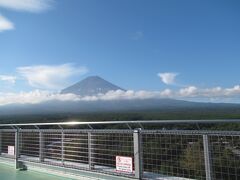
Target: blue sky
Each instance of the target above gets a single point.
(129, 43)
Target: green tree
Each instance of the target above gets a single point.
(192, 160)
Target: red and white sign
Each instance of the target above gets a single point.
(11, 150)
(124, 164)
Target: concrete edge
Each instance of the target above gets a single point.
(62, 171)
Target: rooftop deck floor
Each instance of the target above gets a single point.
(9, 173)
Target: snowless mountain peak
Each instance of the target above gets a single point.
(90, 86)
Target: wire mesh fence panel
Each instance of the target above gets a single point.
(29, 146)
(105, 147)
(52, 147)
(225, 153)
(173, 155)
(8, 143)
(87, 149)
(75, 149)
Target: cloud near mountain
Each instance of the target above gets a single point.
(95, 88)
(50, 77)
(216, 94)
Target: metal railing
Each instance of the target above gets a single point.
(155, 154)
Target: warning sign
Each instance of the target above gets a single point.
(11, 150)
(124, 164)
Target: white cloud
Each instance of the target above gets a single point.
(33, 6)
(26, 5)
(50, 77)
(188, 91)
(5, 24)
(38, 96)
(233, 91)
(34, 97)
(9, 79)
(167, 93)
(168, 77)
(216, 94)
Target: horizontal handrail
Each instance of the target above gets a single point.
(70, 123)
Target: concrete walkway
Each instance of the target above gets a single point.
(9, 173)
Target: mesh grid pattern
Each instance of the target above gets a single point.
(173, 155)
(164, 153)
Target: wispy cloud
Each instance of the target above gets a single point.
(33, 6)
(168, 77)
(26, 5)
(7, 78)
(5, 24)
(215, 94)
(50, 77)
(138, 35)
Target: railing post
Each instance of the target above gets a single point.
(62, 146)
(41, 146)
(207, 158)
(90, 151)
(137, 140)
(17, 149)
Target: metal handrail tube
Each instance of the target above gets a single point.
(127, 122)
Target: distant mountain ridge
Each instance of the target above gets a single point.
(91, 86)
(138, 105)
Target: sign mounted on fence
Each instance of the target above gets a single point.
(124, 164)
(11, 150)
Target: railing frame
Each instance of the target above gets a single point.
(41, 146)
(137, 142)
(16, 148)
(207, 157)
